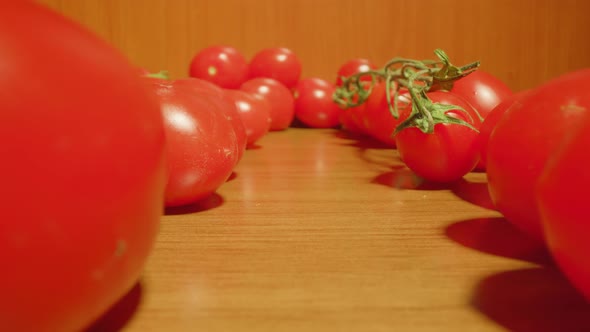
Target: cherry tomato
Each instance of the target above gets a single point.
(202, 148)
(562, 198)
(314, 105)
(380, 122)
(278, 63)
(218, 97)
(482, 90)
(223, 65)
(524, 139)
(83, 172)
(352, 67)
(280, 99)
(490, 122)
(254, 111)
(447, 154)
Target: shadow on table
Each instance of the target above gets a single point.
(117, 317)
(211, 202)
(496, 236)
(537, 299)
(473, 192)
(401, 177)
(360, 141)
(532, 300)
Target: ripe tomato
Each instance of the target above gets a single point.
(447, 154)
(524, 139)
(380, 122)
(280, 99)
(482, 90)
(352, 67)
(314, 105)
(83, 172)
(563, 205)
(352, 120)
(254, 111)
(490, 122)
(278, 63)
(223, 65)
(218, 97)
(202, 147)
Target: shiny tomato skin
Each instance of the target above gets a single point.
(224, 66)
(314, 105)
(482, 90)
(351, 120)
(279, 63)
(254, 111)
(447, 154)
(379, 121)
(562, 199)
(490, 122)
(83, 172)
(525, 138)
(218, 97)
(202, 149)
(279, 97)
(354, 66)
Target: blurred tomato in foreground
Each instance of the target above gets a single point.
(83, 172)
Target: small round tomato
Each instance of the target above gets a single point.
(562, 198)
(380, 122)
(448, 153)
(280, 99)
(202, 148)
(218, 97)
(83, 172)
(278, 63)
(352, 67)
(254, 111)
(223, 65)
(314, 105)
(525, 138)
(482, 90)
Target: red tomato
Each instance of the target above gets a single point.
(490, 122)
(278, 63)
(314, 105)
(562, 198)
(217, 96)
(351, 120)
(482, 90)
(352, 67)
(83, 172)
(524, 139)
(223, 65)
(280, 99)
(447, 154)
(254, 111)
(380, 122)
(202, 147)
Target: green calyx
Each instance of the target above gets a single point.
(415, 76)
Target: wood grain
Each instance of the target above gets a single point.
(320, 232)
(523, 42)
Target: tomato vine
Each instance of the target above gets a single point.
(416, 76)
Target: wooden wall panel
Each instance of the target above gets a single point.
(523, 42)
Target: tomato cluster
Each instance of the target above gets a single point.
(530, 144)
(90, 167)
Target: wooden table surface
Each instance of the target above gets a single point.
(321, 232)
